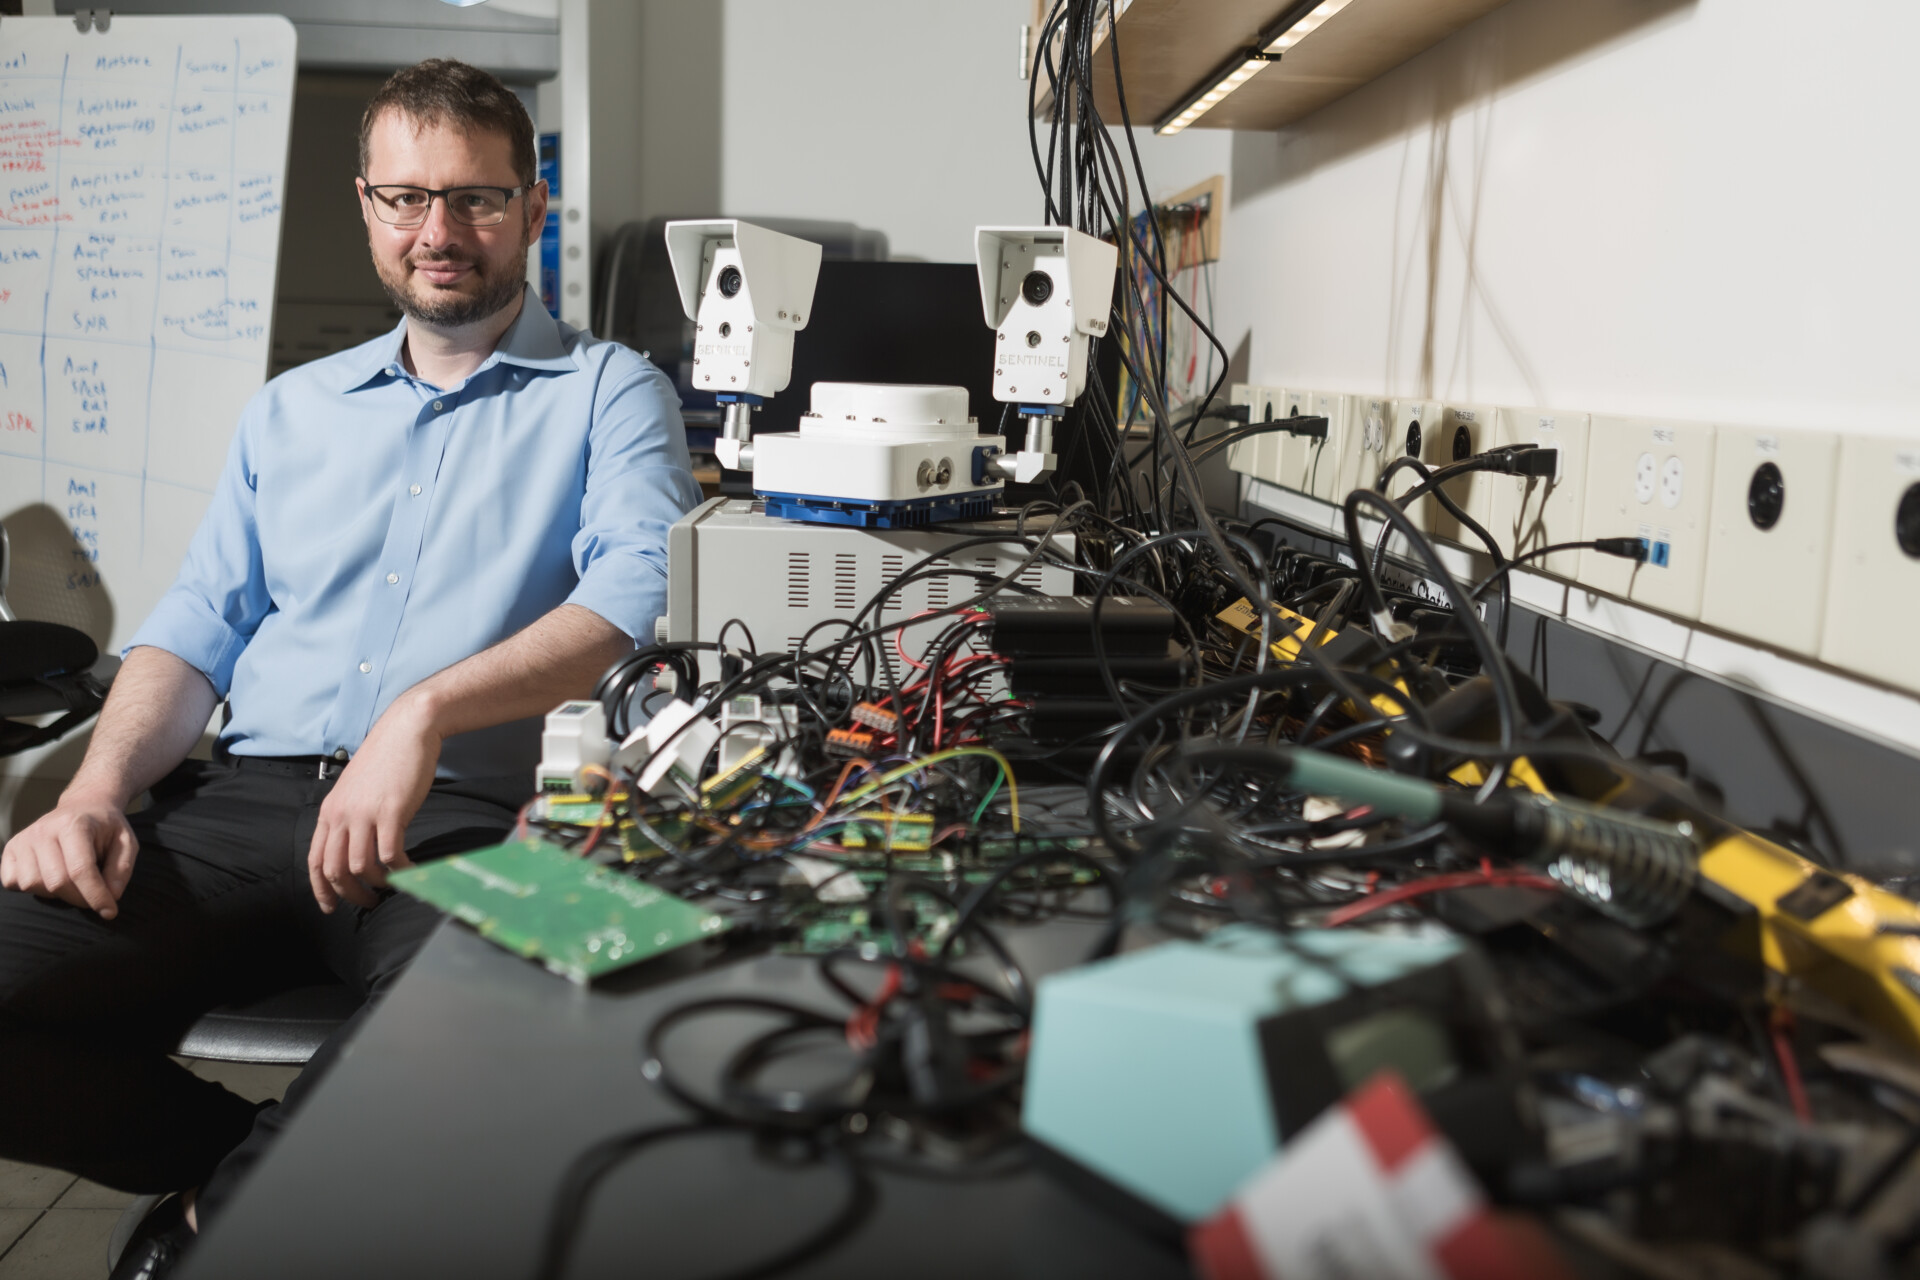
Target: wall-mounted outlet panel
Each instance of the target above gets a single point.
(1533, 512)
(1295, 458)
(1650, 479)
(1465, 430)
(1772, 525)
(1326, 458)
(1369, 422)
(1267, 405)
(1240, 453)
(1414, 422)
(1873, 582)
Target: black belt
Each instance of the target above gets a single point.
(318, 768)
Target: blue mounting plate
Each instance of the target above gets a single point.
(906, 514)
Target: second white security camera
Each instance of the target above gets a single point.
(1047, 291)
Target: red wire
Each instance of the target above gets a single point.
(1780, 1025)
(1439, 884)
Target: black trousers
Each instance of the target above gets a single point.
(219, 909)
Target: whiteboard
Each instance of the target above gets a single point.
(141, 174)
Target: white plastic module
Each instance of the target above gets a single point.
(1650, 479)
(879, 443)
(1369, 421)
(728, 560)
(573, 737)
(1873, 585)
(1465, 430)
(1773, 511)
(1531, 512)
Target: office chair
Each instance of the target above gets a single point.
(44, 667)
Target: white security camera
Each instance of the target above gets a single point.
(747, 290)
(1046, 292)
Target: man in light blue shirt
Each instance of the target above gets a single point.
(416, 548)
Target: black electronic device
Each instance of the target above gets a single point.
(1062, 626)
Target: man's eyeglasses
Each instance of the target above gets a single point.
(475, 206)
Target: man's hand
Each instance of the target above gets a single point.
(363, 822)
(81, 853)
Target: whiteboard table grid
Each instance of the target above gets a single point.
(141, 180)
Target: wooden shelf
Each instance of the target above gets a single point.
(1168, 46)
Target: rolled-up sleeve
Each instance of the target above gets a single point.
(639, 481)
(215, 605)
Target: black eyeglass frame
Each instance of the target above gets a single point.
(444, 193)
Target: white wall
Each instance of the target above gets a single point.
(905, 115)
(1697, 208)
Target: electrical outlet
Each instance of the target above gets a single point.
(1267, 407)
(1368, 423)
(1240, 454)
(1326, 459)
(1413, 422)
(1772, 523)
(1532, 512)
(1295, 458)
(1873, 579)
(1465, 430)
(1652, 480)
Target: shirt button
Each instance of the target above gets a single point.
(365, 668)
(436, 406)
(339, 753)
(414, 490)
(392, 578)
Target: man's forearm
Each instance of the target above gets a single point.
(558, 657)
(155, 714)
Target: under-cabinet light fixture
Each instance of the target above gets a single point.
(1293, 26)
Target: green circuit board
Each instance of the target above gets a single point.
(541, 902)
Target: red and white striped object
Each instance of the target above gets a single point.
(1371, 1190)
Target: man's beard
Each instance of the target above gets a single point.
(451, 309)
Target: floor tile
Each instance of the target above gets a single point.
(251, 1081)
(91, 1195)
(66, 1244)
(13, 1222)
(28, 1186)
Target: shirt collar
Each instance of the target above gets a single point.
(531, 341)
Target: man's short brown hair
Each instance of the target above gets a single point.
(442, 91)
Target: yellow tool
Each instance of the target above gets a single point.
(1839, 935)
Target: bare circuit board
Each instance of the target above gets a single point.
(546, 904)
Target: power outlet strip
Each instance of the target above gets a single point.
(1873, 586)
(1653, 480)
(1531, 512)
(1773, 513)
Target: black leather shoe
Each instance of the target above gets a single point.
(158, 1243)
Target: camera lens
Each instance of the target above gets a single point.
(1037, 287)
(729, 281)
